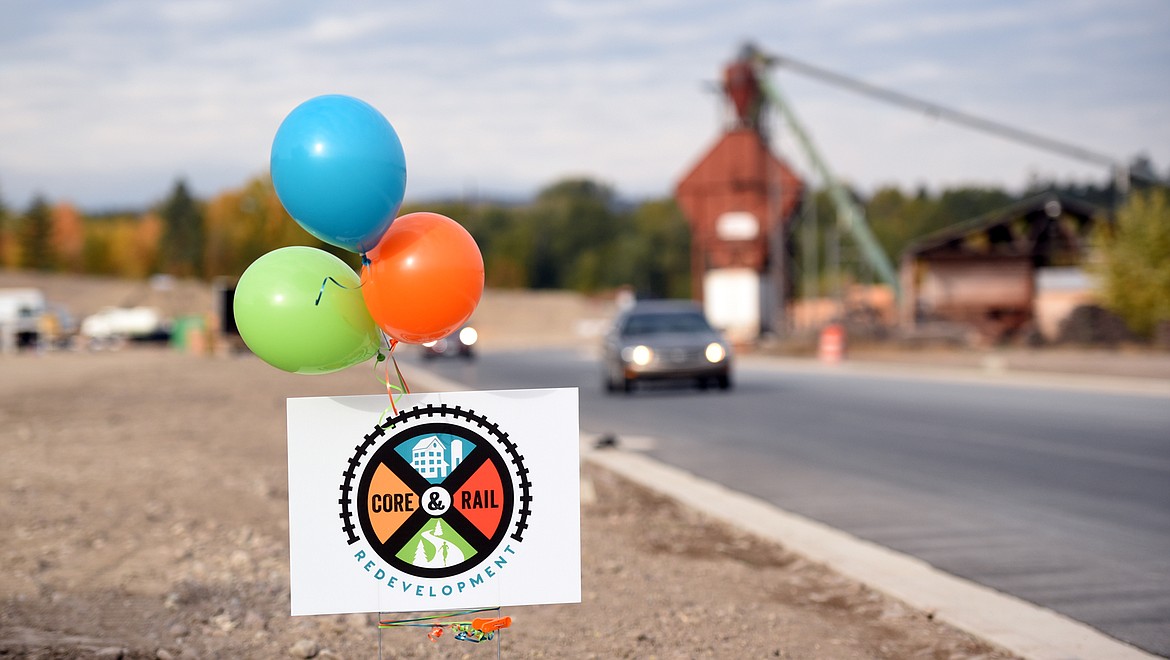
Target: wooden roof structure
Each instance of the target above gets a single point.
(1049, 229)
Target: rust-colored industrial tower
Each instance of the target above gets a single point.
(739, 199)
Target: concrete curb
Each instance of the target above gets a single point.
(1006, 621)
(990, 374)
(1020, 627)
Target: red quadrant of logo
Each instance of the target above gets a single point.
(481, 499)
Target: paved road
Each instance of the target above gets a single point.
(1059, 497)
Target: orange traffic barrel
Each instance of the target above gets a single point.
(831, 347)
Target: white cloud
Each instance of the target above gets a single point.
(932, 24)
(509, 97)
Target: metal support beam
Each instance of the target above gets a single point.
(850, 216)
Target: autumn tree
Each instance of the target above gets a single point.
(145, 239)
(36, 250)
(243, 224)
(68, 238)
(181, 250)
(122, 245)
(1135, 261)
(97, 255)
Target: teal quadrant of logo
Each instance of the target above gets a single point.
(435, 455)
(436, 546)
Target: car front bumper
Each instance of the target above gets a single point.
(677, 363)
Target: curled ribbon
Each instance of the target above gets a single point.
(475, 631)
(394, 392)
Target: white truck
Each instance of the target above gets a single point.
(20, 315)
(112, 325)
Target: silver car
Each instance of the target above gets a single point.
(664, 339)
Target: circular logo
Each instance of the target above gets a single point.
(435, 497)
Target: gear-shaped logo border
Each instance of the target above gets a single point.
(422, 414)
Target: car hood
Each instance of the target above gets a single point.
(672, 340)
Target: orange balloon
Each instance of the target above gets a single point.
(424, 279)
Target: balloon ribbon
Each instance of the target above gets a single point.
(391, 388)
(329, 279)
(475, 631)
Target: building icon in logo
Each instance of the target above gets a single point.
(429, 457)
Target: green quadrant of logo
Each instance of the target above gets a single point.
(436, 545)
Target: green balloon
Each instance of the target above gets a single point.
(281, 320)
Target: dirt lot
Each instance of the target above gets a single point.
(144, 507)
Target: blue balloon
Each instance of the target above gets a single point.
(339, 170)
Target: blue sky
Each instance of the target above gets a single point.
(106, 102)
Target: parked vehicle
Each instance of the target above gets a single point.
(664, 340)
(112, 325)
(459, 344)
(20, 315)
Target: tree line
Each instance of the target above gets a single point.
(574, 234)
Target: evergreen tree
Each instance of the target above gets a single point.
(183, 233)
(4, 238)
(36, 250)
(420, 555)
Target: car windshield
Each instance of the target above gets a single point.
(661, 323)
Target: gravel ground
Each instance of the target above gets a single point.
(144, 504)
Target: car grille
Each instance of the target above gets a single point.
(678, 356)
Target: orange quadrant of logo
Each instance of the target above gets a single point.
(390, 502)
(481, 499)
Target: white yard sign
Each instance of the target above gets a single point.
(462, 500)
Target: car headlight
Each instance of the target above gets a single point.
(639, 355)
(715, 352)
(468, 336)
(430, 344)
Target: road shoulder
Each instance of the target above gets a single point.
(1005, 621)
(987, 373)
(1014, 625)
